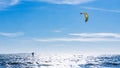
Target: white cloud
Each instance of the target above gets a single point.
(67, 1)
(77, 40)
(6, 3)
(85, 37)
(101, 9)
(116, 35)
(11, 34)
(14, 2)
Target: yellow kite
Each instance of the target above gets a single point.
(86, 16)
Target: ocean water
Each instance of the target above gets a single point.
(58, 61)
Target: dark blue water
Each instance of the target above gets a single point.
(73, 61)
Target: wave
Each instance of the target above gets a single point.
(72, 60)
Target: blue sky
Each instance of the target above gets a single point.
(56, 26)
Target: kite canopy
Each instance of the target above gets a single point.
(86, 15)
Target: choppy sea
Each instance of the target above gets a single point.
(27, 60)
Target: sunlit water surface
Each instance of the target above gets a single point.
(58, 61)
